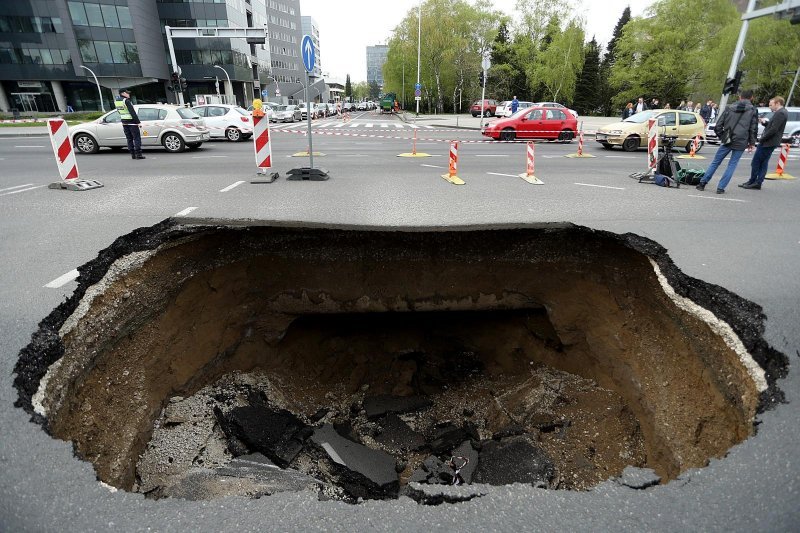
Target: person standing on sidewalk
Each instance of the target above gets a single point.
(770, 139)
(736, 129)
(130, 123)
(514, 105)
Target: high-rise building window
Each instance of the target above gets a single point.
(110, 16)
(78, 14)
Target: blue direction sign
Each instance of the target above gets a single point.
(417, 87)
(308, 53)
(264, 93)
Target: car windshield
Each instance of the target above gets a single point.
(638, 118)
(187, 113)
(279, 108)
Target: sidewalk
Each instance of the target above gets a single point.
(468, 122)
(33, 131)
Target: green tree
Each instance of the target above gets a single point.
(606, 90)
(360, 91)
(374, 89)
(348, 87)
(587, 96)
(556, 67)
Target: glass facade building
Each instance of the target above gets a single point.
(49, 47)
(376, 57)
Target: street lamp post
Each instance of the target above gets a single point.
(99, 91)
(794, 82)
(419, 43)
(229, 80)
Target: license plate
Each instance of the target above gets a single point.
(601, 136)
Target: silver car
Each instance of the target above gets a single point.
(286, 113)
(173, 127)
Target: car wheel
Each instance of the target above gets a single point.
(566, 135)
(795, 138)
(631, 144)
(607, 146)
(508, 134)
(487, 113)
(474, 115)
(233, 134)
(173, 143)
(86, 144)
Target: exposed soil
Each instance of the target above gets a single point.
(562, 335)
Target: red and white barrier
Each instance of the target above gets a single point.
(62, 148)
(530, 162)
(652, 144)
(780, 172)
(452, 174)
(262, 144)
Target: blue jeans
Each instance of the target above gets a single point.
(720, 155)
(758, 168)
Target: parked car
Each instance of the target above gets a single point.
(533, 122)
(504, 108)
(557, 105)
(304, 109)
(487, 109)
(287, 113)
(362, 106)
(173, 127)
(349, 106)
(321, 110)
(228, 121)
(631, 133)
(791, 133)
(333, 109)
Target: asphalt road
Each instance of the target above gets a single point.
(746, 241)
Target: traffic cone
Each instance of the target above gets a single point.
(693, 150)
(414, 152)
(528, 174)
(780, 173)
(452, 175)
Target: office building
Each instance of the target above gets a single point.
(376, 57)
(311, 28)
(49, 47)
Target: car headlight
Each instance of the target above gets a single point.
(612, 132)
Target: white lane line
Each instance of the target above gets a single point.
(23, 190)
(29, 146)
(207, 156)
(60, 281)
(185, 212)
(431, 166)
(16, 187)
(601, 186)
(369, 125)
(716, 198)
(491, 155)
(507, 175)
(229, 187)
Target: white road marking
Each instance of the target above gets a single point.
(716, 198)
(370, 125)
(601, 186)
(29, 146)
(185, 212)
(507, 175)
(22, 190)
(60, 281)
(207, 156)
(229, 187)
(16, 187)
(431, 166)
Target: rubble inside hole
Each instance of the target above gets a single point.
(548, 356)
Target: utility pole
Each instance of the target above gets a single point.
(419, 42)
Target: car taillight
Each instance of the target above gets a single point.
(187, 124)
(245, 119)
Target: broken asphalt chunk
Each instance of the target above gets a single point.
(278, 434)
(376, 406)
(375, 465)
(514, 460)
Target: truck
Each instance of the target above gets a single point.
(387, 102)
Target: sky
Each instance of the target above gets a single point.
(347, 28)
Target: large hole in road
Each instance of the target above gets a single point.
(198, 361)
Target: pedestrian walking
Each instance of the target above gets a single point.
(628, 111)
(514, 105)
(130, 123)
(770, 139)
(640, 105)
(736, 130)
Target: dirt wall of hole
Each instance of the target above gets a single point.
(222, 299)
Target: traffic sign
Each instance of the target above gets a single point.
(264, 93)
(486, 63)
(308, 52)
(417, 87)
(417, 93)
(417, 98)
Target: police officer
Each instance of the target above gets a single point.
(130, 123)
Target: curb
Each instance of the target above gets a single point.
(4, 135)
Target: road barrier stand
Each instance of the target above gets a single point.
(452, 174)
(414, 152)
(652, 145)
(528, 174)
(263, 147)
(780, 172)
(693, 150)
(580, 145)
(65, 159)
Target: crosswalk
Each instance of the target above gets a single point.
(377, 126)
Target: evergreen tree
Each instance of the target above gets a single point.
(374, 89)
(587, 88)
(348, 87)
(605, 89)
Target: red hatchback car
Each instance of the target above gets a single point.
(487, 109)
(534, 123)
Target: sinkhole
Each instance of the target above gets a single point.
(198, 361)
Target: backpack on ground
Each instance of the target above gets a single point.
(691, 176)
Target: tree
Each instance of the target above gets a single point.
(348, 87)
(360, 91)
(556, 68)
(587, 97)
(374, 89)
(605, 89)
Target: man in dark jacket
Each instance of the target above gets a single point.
(736, 129)
(130, 123)
(705, 111)
(770, 139)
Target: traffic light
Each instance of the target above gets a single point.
(174, 83)
(732, 84)
(184, 84)
(481, 78)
